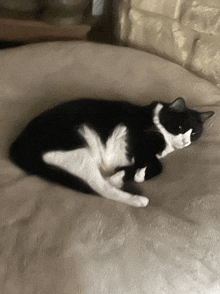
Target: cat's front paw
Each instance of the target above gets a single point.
(140, 175)
(117, 179)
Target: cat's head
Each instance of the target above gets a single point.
(181, 124)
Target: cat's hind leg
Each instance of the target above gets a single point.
(81, 163)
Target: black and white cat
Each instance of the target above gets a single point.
(98, 145)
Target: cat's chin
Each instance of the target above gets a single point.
(182, 140)
(181, 146)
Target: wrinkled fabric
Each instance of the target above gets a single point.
(55, 240)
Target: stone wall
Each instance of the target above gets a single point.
(186, 32)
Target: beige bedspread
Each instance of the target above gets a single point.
(57, 241)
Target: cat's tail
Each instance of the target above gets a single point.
(29, 159)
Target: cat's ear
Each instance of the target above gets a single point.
(205, 115)
(178, 105)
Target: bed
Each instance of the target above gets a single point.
(56, 240)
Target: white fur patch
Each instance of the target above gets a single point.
(116, 148)
(140, 175)
(113, 153)
(173, 142)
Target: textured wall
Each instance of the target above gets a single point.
(184, 31)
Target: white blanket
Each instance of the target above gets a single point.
(54, 240)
